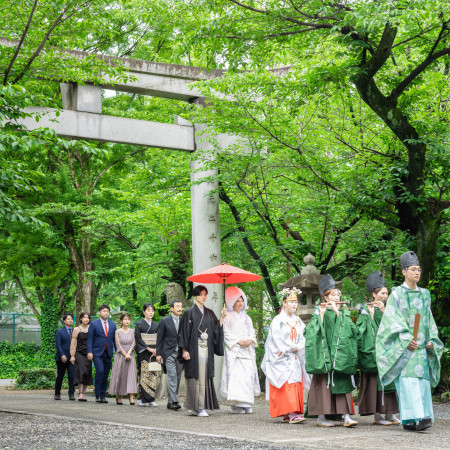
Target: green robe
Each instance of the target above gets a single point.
(396, 332)
(331, 348)
(368, 329)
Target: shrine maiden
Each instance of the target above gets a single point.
(284, 362)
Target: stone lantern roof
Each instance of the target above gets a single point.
(308, 282)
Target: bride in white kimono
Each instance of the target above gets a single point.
(240, 383)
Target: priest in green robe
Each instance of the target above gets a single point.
(413, 364)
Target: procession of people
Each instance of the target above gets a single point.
(392, 346)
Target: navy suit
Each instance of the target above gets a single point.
(102, 347)
(63, 338)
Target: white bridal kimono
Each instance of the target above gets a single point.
(240, 381)
(280, 364)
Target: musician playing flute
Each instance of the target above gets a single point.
(412, 363)
(374, 398)
(331, 354)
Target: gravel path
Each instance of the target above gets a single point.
(21, 431)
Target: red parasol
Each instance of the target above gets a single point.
(224, 274)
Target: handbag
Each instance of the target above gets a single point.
(154, 367)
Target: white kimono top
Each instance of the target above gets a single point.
(280, 363)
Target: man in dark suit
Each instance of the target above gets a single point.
(167, 350)
(63, 339)
(100, 348)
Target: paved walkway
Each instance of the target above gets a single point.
(256, 428)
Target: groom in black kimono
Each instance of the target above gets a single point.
(201, 336)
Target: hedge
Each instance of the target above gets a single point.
(40, 378)
(17, 357)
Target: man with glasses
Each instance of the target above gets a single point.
(412, 363)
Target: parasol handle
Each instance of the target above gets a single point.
(416, 326)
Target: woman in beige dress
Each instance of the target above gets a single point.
(123, 376)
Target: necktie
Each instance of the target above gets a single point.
(177, 324)
(69, 330)
(106, 334)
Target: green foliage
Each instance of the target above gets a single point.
(354, 315)
(325, 172)
(14, 358)
(37, 378)
(161, 311)
(49, 322)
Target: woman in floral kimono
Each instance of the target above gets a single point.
(284, 362)
(240, 381)
(146, 354)
(373, 398)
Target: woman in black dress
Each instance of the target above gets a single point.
(146, 354)
(78, 356)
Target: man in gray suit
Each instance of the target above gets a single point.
(167, 351)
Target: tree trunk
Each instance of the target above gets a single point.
(418, 216)
(427, 242)
(82, 258)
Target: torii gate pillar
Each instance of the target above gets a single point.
(206, 248)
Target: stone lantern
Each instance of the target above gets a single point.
(308, 282)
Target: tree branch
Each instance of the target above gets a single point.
(265, 218)
(19, 45)
(337, 238)
(26, 298)
(41, 45)
(91, 189)
(250, 8)
(395, 94)
(382, 52)
(294, 234)
(248, 245)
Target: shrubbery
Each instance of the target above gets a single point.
(41, 378)
(17, 357)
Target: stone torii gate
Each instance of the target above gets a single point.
(81, 118)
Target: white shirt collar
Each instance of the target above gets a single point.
(405, 285)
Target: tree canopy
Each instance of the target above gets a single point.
(343, 107)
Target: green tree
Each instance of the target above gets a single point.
(388, 59)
